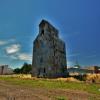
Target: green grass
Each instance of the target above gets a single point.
(60, 98)
(51, 84)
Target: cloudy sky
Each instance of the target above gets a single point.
(78, 22)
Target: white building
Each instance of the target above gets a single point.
(4, 69)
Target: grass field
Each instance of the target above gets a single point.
(50, 84)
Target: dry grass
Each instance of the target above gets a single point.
(93, 78)
(88, 78)
(70, 79)
(18, 76)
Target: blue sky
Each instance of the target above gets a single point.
(78, 22)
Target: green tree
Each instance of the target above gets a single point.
(17, 70)
(26, 68)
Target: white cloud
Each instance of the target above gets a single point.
(21, 56)
(13, 48)
(24, 56)
(13, 51)
(2, 42)
(73, 55)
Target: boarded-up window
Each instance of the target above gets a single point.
(41, 60)
(42, 44)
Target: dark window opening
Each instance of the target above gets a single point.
(42, 32)
(54, 53)
(44, 70)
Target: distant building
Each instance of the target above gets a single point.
(86, 70)
(77, 65)
(78, 71)
(49, 53)
(4, 69)
(93, 69)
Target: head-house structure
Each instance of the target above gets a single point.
(49, 53)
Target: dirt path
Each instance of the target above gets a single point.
(13, 92)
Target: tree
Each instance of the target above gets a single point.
(26, 68)
(17, 71)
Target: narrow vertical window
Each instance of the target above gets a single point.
(42, 32)
(44, 70)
